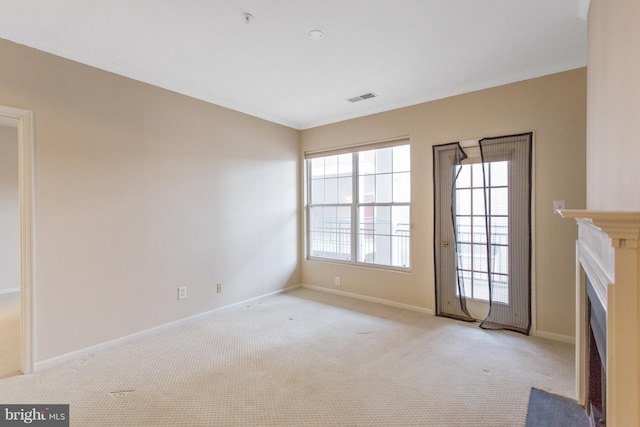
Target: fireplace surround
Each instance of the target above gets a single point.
(608, 276)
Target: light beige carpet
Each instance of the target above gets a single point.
(9, 334)
(307, 359)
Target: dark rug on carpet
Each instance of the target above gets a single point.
(550, 410)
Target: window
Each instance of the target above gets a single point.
(471, 231)
(331, 196)
(358, 206)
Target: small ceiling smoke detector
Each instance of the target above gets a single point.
(315, 35)
(362, 97)
(247, 17)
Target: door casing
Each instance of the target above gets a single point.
(27, 261)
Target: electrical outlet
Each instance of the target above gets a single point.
(336, 280)
(558, 204)
(182, 292)
(219, 288)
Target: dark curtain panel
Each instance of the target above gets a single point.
(450, 297)
(508, 232)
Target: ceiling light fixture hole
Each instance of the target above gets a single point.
(315, 35)
(247, 17)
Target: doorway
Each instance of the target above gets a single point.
(16, 241)
(483, 233)
(9, 249)
(476, 258)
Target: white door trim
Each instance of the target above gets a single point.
(25, 183)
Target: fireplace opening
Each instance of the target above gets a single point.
(596, 356)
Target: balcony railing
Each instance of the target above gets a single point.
(332, 239)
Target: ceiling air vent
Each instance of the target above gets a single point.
(362, 97)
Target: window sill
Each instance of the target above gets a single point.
(364, 265)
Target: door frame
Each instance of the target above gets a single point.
(27, 265)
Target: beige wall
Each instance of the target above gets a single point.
(139, 191)
(9, 210)
(613, 174)
(554, 108)
(613, 136)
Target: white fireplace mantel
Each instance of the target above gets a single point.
(607, 252)
(622, 227)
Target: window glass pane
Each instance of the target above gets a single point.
(317, 191)
(499, 201)
(500, 288)
(478, 201)
(499, 259)
(318, 238)
(365, 233)
(365, 246)
(366, 162)
(345, 164)
(463, 202)
(402, 187)
(365, 219)
(481, 286)
(499, 230)
(384, 159)
(463, 229)
(367, 189)
(331, 190)
(400, 221)
(464, 256)
(345, 190)
(317, 167)
(465, 278)
(479, 229)
(464, 176)
(382, 220)
(328, 244)
(480, 257)
(330, 235)
(344, 218)
(382, 254)
(343, 225)
(499, 174)
(400, 255)
(476, 175)
(402, 158)
(315, 246)
(331, 166)
(330, 214)
(383, 188)
(316, 218)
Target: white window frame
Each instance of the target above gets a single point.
(355, 205)
(472, 242)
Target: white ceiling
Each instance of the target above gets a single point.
(406, 51)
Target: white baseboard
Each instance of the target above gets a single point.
(78, 354)
(9, 291)
(541, 334)
(555, 337)
(369, 299)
